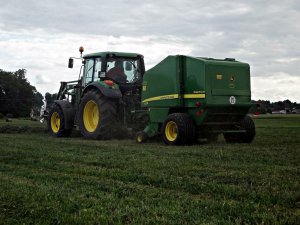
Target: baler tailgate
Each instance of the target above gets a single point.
(230, 80)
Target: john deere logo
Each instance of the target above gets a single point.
(232, 100)
(232, 78)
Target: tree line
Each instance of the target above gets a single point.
(265, 106)
(17, 96)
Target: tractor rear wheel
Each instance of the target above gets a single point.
(56, 123)
(97, 116)
(179, 129)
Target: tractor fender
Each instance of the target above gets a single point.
(68, 111)
(107, 92)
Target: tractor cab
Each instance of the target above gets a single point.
(124, 69)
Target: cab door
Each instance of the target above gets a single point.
(88, 72)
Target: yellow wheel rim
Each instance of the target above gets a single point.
(139, 139)
(171, 131)
(55, 122)
(91, 116)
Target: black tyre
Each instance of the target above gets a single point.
(248, 125)
(97, 116)
(56, 123)
(179, 129)
(141, 137)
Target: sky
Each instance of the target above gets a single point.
(40, 36)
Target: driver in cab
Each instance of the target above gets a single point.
(117, 72)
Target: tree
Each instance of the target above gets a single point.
(17, 96)
(267, 107)
(38, 99)
(37, 104)
(20, 74)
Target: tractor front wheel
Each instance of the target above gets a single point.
(97, 116)
(179, 129)
(56, 123)
(141, 137)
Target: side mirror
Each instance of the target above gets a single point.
(71, 63)
(128, 66)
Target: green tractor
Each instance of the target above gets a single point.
(105, 98)
(182, 99)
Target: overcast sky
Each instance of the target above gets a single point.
(40, 36)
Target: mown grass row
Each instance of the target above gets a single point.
(44, 180)
(14, 125)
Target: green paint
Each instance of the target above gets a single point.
(179, 83)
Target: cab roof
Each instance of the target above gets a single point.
(117, 54)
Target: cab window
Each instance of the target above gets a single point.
(131, 70)
(97, 69)
(123, 70)
(88, 71)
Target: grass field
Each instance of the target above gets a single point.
(44, 180)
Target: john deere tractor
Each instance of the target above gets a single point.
(182, 99)
(105, 98)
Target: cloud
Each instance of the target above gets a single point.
(278, 87)
(45, 56)
(40, 36)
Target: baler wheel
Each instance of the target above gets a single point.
(248, 124)
(179, 129)
(56, 123)
(97, 116)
